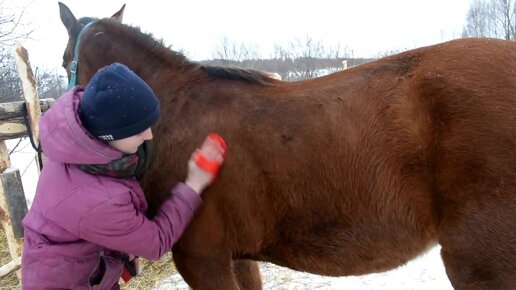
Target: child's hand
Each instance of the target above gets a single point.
(205, 162)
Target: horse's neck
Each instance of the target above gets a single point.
(138, 51)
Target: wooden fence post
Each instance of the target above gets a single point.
(30, 93)
(13, 205)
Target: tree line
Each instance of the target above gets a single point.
(491, 18)
(300, 59)
(14, 28)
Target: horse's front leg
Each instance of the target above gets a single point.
(204, 259)
(247, 274)
(205, 272)
(202, 273)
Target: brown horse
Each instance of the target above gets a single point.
(352, 173)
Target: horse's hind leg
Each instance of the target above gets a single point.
(478, 240)
(247, 274)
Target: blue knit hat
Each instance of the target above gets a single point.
(117, 104)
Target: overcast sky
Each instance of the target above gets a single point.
(366, 27)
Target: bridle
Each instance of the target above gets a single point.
(75, 62)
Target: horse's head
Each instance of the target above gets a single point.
(74, 27)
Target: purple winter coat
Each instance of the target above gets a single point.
(77, 219)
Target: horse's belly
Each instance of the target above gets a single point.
(350, 251)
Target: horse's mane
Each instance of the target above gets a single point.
(178, 59)
(232, 73)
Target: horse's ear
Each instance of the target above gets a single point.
(67, 17)
(118, 16)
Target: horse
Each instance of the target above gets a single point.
(355, 172)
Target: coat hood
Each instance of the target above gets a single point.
(64, 139)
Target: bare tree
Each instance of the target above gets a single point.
(505, 18)
(335, 57)
(491, 18)
(50, 83)
(477, 20)
(228, 50)
(304, 53)
(10, 87)
(302, 58)
(12, 29)
(308, 58)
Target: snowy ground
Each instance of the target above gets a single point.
(424, 273)
(23, 158)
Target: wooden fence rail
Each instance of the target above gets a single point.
(12, 124)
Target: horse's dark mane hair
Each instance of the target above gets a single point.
(178, 59)
(232, 73)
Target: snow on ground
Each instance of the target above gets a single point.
(424, 273)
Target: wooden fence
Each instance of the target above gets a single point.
(13, 124)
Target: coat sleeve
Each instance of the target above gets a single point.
(118, 225)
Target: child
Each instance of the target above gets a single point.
(89, 210)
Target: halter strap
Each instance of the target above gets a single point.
(73, 65)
